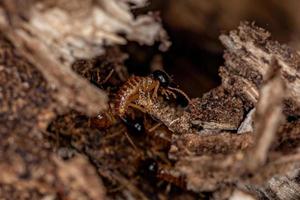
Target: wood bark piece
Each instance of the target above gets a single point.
(261, 162)
(37, 50)
(69, 89)
(38, 44)
(210, 144)
(215, 142)
(56, 33)
(248, 59)
(25, 97)
(267, 119)
(217, 110)
(279, 187)
(75, 29)
(27, 163)
(247, 124)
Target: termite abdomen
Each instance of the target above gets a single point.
(126, 93)
(130, 91)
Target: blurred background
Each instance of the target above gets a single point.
(194, 27)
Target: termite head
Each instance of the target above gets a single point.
(135, 125)
(162, 77)
(102, 121)
(149, 168)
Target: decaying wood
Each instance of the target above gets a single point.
(279, 187)
(56, 33)
(29, 164)
(267, 119)
(217, 169)
(250, 59)
(233, 138)
(38, 44)
(205, 144)
(217, 110)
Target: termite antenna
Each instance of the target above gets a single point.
(108, 76)
(131, 141)
(155, 127)
(127, 136)
(181, 92)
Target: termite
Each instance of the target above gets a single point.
(124, 98)
(130, 91)
(150, 169)
(133, 89)
(135, 126)
(171, 177)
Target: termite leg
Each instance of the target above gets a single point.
(171, 93)
(108, 76)
(163, 92)
(181, 92)
(167, 93)
(131, 141)
(153, 128)
(137, 107)
(131, 114)
(154, 95)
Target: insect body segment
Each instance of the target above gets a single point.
(130, 91)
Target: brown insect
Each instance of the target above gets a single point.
(131, 90)
(124, 98)
(151, 169)
(135, 88)
(103, 120)
(171, 177)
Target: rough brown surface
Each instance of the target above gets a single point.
(31, 168)
(205, 144)
(249, 58)
(217, 109)
(25, 95)
(50, 87)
